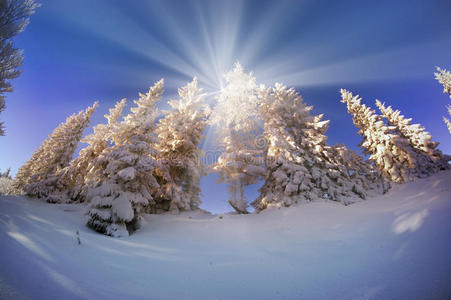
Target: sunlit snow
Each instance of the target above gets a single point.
(394, 246)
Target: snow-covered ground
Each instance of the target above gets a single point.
(397, 246)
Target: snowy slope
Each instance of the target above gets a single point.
(397, 246)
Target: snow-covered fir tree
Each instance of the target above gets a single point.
(393, 154)
(429, 159)
(364, 173)
(6, 182)
(37, 176)
(25, 171)
(446, 120)
(301, 167)
(237, 124)
(122, 179)
(14, 17)
(6, 174)
(179, 135)
(444, 77)
(72, 180)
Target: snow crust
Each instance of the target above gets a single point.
(394, 246)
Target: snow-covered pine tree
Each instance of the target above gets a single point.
(237, 124)
(6, 183)
(393, 155)
(122, 179)
(14, 17)
(25, 171)
(430, 160)
(301, 167)
(446, 120)
(363, 173)
(72, 180)
(38, 174)
(179, 135)
(6, 174)
(444, 77)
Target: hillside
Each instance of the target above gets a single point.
(396, 246)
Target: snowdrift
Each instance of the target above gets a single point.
(395, 246)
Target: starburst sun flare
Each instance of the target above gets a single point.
(80, 51)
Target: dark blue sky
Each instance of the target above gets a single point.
(80, 51)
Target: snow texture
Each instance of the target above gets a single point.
(394, 246)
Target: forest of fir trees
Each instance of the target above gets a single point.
(134, 165)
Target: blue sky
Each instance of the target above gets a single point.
(77, 52)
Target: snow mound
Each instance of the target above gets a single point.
(395, 246)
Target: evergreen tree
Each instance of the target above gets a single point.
(365, 175)
(430, 160)
(45, 160)
(14, 17)
(122, 179)
(393, 154)
(447, 122)
(38, 176)
(444, 77)
(237, 124)
(6, 183)
(301, 167)
(6, 174)
(179, 134)
(72, 180)
(25, 171)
